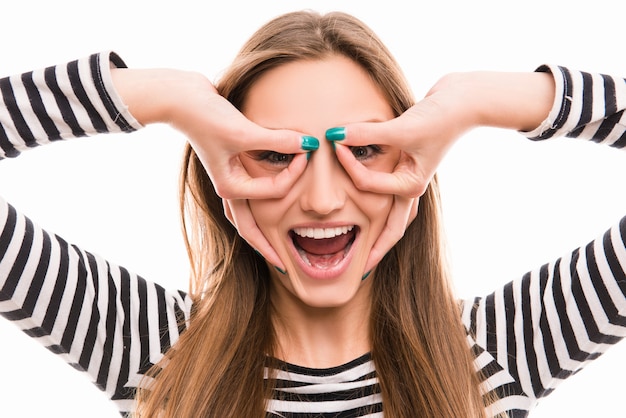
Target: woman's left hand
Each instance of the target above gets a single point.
(427, 130)
(423, 133)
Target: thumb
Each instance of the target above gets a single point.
(283, 141)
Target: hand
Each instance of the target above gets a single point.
(427, 130)
(218, 133)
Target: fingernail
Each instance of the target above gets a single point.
(258, 252)
(365, 275)
(308, 155)
(336, 134)
(281, 271)
(310, 143)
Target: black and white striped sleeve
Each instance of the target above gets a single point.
(61, 102)
(100, 318)
(549, 324)
(587, 106)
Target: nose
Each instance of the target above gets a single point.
(325, 182)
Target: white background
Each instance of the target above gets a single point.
(510, 205)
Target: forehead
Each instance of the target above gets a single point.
(313, 95)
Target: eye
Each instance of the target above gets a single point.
(275, 158)
(366, 152)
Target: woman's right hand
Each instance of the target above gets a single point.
(218, 133)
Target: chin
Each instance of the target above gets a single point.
(327, 299)
(326, 294)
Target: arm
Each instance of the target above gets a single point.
(103, 320)
(542, 103)
(553, 321)
(537, 331)
(100, 318)
(87, 98)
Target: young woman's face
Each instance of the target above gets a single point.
(324, 229)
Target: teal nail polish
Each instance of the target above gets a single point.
(336, 134)
(281, 271)
(365, 275)
(308, 155)
(310, 143)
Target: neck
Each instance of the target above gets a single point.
(321, 337)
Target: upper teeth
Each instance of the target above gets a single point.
(319, 233)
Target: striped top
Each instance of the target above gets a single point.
(112, 325)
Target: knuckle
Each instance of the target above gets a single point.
(223, 191)
(418, 190)
(361, 182)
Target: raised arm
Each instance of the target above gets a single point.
(100, 318)
(98, 95)
(218, 133)
(551, 101)
(456, 104)
(534, 332)
(549, 324)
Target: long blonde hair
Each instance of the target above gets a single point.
(419, 345)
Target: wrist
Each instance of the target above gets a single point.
(519, 101)
(158, 95)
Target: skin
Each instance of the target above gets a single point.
(322, 311)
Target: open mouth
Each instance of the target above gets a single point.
(323, 248)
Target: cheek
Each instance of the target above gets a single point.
(264, 213)
(376, 208)
(269, 215)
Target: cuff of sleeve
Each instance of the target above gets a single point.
(123, 118)
(560, 107)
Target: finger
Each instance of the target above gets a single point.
(397, 221)
(413, 213)
(284, 181)
(279, 140)
(249, 231)
(228, 213)
(403, 181)
(238, 184)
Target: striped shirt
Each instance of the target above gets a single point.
(113, 325)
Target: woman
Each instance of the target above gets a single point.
(349, 305)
